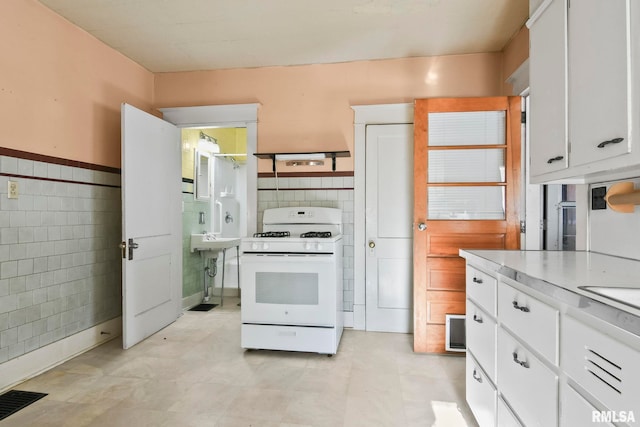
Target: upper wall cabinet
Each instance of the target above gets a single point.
(585, 97)
(548, 89)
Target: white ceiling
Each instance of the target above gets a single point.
(186, 35)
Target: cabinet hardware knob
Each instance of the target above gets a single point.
(522, 363)
(520, 307)
(476, 280)
(555, 159)
(611, 141)
(476, 376)
(477, 319)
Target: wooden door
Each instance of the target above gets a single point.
(466, 193)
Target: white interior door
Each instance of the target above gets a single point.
(151, 219)
(389, 213)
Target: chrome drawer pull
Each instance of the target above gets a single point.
(555, 159)
(477, 319)
(476, 280)
(520, 307)
(522, 363)
(476, 376)
(611, 141)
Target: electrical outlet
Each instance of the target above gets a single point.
(12, 189)
(597, 198)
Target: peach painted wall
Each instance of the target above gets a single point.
(307, 108)
(513, 55)
(61, 89)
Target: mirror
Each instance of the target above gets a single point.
(202, 181)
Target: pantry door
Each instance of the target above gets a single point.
(466, 196)
(389, 208)
(151, 224)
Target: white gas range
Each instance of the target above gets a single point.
(292, 281)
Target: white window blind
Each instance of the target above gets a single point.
(466, 165)
(456, 203)
(467, 128)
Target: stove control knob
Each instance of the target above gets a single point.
(319, 246)
(265, 246)
(254, 246)
(307, 246)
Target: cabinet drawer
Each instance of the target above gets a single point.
(533, 321)
(526, 383)
(481, 394)
(505, 416)
(576, 411)
(481, 288)
(605, 367)
(481, 338)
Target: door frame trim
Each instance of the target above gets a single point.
(364, 115)
(232, 115)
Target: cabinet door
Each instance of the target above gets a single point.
(548, 89)
(481, 394)
(576, 411)
(598, 79)
(526, 383)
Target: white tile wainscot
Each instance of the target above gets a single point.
(59, 263)
(328, 192)
(564, 356)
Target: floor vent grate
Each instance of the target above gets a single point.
(203, 307)
(14, 400)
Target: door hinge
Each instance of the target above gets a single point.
(543, 224)
(523, 117)
(523, 226)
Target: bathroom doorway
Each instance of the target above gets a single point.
(241, 119)
(213, 198)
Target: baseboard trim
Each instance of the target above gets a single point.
(29, 365)
(348, 319)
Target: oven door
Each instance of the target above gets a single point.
(289, 289)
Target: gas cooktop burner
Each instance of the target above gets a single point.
(321, 234)
(273, 234)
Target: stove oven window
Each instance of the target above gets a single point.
(287, 288)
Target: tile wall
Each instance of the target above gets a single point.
(59, 258)
(330, 192)
(192, 264)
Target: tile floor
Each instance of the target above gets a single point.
(194, 373)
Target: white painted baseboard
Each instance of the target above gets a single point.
(38, 361)
(348, 319)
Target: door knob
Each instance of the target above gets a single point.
(372, 244)
(123, 247)
(422, 226)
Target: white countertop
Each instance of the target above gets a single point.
(571, 271)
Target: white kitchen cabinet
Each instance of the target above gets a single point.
(585, 103)
(526, 382)
(599, 83)
(481, 393)
(548, 88)
(533, 321)
(505, 416)
(605, 367)
(481, 288)
(481, 338)
(576, 411)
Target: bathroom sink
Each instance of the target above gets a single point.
(212, 244)
(627, 296)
